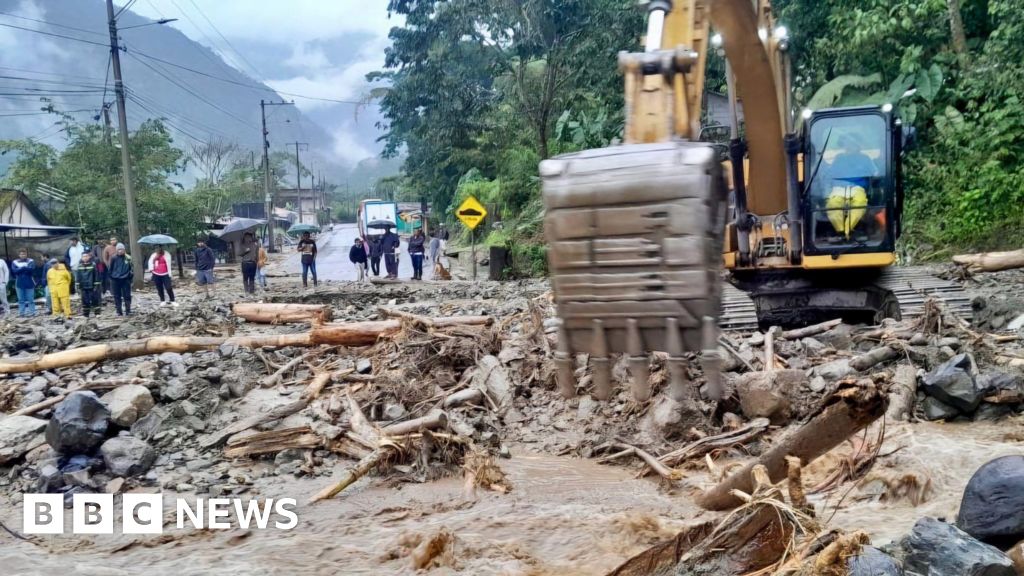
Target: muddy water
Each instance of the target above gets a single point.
(564, 516)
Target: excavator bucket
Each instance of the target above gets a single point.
(634, 247)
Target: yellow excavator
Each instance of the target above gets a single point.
(803, 214)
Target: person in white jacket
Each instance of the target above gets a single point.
(5, 277)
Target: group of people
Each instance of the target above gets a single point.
(89, 272)
(367, 252)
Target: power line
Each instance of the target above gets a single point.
(156, 108)
(54, 35)
(163, 118)
(226, 41)
(54, 24)
(205, 37)
(44, 81)
(39, 73)
(125, 7)
(192, 92)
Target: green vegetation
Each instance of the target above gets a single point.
(477, 92)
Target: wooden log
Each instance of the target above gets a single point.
(812, 330)
(696, 449)
(270, 313)
(655, 465)
(851, 410)
(991, 261)
(361, 468)
(273, 442)
(275, 378)
(874, 357)
(769, 349)
(467, 396)
(903, 393)
(219, 436)
(432, 421)
(353, 334)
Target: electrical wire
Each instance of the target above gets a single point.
(226, 41)
(182, 85)
(156, 108)
(123, 8)
(39, 73)
(54, 24)
(43, 32)
(163, 118)
(207, 38)
(44, 81)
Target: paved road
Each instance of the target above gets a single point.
(332, 257)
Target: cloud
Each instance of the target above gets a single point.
(308, 57)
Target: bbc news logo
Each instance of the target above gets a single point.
(144, 514)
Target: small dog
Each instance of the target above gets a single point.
(440, 272)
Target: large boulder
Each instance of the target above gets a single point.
(128, 403)
(935, 548)
(1001, 387)
(871, 561)
(952, 383)
(992, 508)
(935, 409)
(79, 424)
(127, 455)
(769, 394)
(18, 435)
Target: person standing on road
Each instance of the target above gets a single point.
(88, 280)
(375, 252)
(74, 254)
(109, 251)
(24, 269)
(160, 268)
(47, 264)
(250, 252)
(205, 260)
(416, 252)
(391, 245)
(435, 248)
(357, 255)
(58, 280)
(5, 278)
(307, 247)
(121, 274)
(443, 235)
(261, 267)
(101, 267)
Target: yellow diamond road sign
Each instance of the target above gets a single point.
(471, 213)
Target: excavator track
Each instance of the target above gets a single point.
(911, 286)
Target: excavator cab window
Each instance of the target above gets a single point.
(847, 184)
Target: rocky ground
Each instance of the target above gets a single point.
(501, 440)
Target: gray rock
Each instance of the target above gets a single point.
(668, 418)
(872, 562)
(50, 480)
(394, 412)
(185, 408)
(987, 412)
(169, 358)
(32, 398)
(37, 384)
(238, 388)
(127, 455)
(213, 374)
(1008, 387)
(227, 350)
(769, 394)
(992, 508)
(950, 342)
(952, 383)
(194, 422)
(1016, 324)
(78, 425)
(817, 384)
(178, 369)
(364, 366)
(174, 389)
(935, 548)
(840, 337)
(813, 347)
(80, 477)
(935, 409)
(492, 378)
(289, 455)
(834, 370)
(51, 377)
(586, 408)
(147, 426)
(197, 465)
(128, 403)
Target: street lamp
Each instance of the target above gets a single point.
(160, 21)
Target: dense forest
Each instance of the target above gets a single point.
(477, 92)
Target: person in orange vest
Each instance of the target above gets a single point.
(58, 279)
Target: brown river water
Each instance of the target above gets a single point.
(564, 516)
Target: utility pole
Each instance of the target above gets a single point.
(268, 193)
(298, 176)
(126, 162)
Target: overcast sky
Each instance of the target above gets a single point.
(320, 48)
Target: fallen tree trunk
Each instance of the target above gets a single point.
(467, 396)
(903, 393)
(267, 313)
(753, 429)
(850, 411)
(433, 420)
(352, 334)
(273, 442)
(813, 330)
(253, 421)
(873, 357)
(991, 261)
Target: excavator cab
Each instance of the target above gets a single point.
(850, 181)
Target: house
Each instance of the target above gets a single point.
(718, 113)
(312, 202)
(17, 208)
(23, 225)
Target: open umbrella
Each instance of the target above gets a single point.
(240, 225)
(380, 224)
(237, 228)
(157, 240)
(297, 229)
